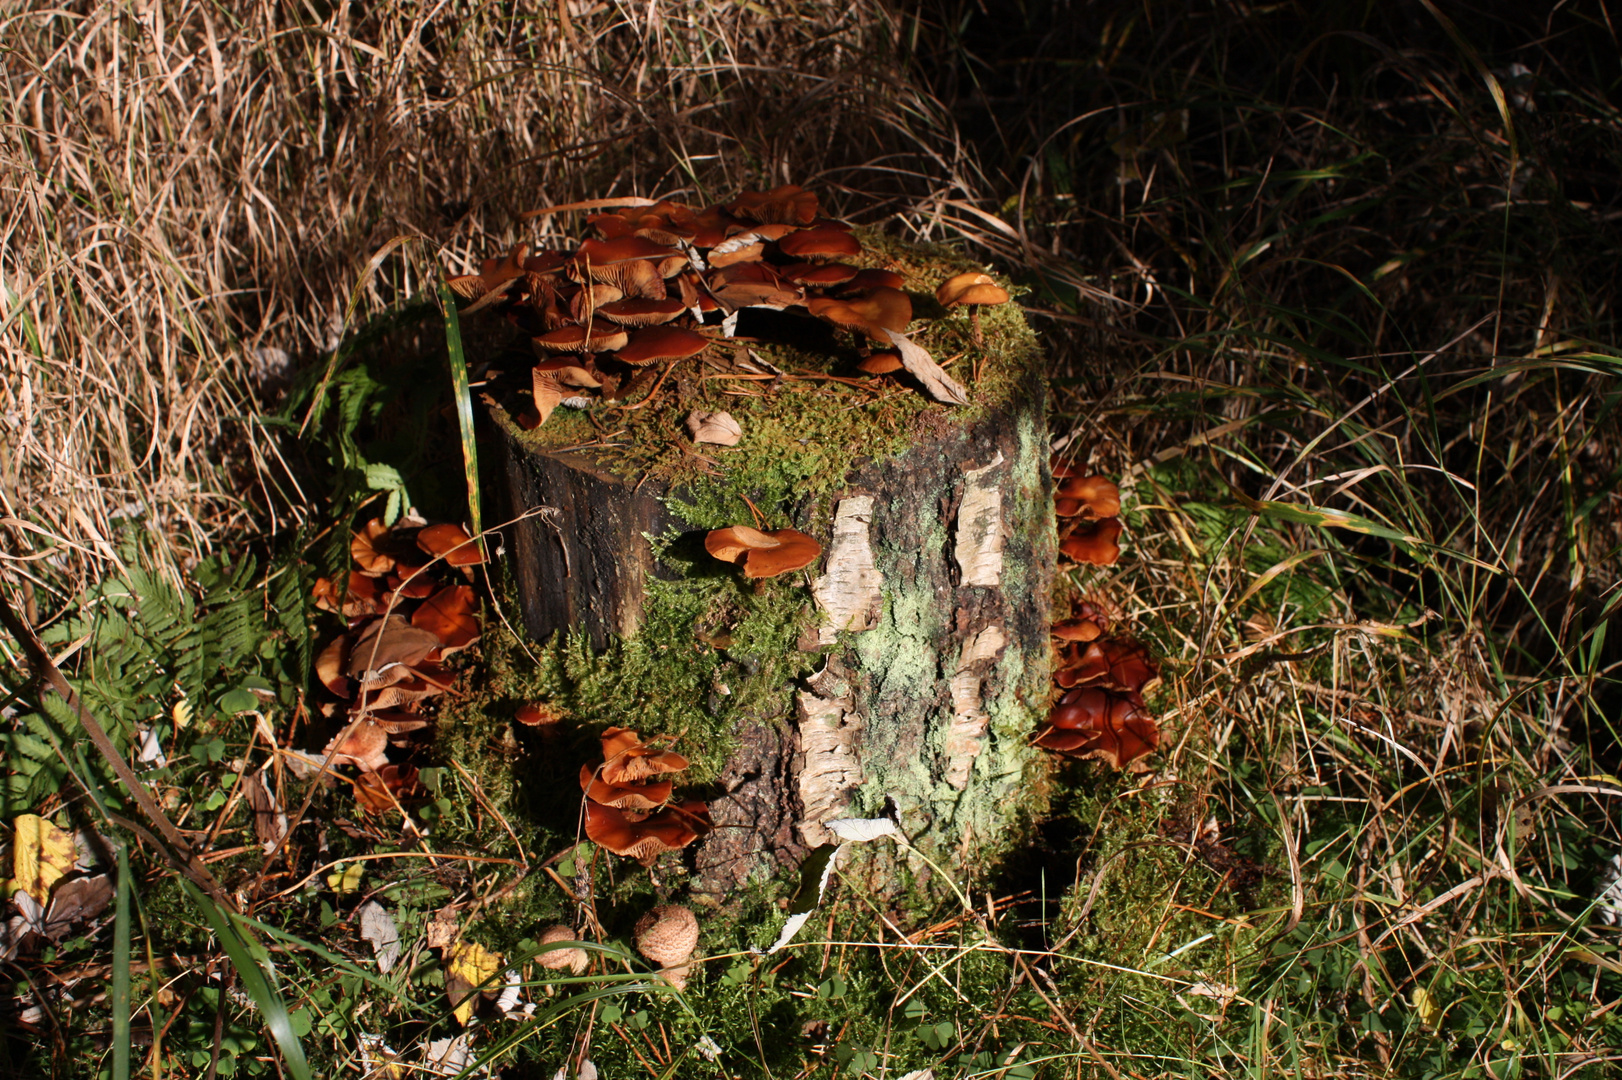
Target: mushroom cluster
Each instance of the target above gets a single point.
(403, 621)
(1100, 713)
(636, 293)
(629, 808)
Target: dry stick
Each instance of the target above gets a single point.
(48, 673)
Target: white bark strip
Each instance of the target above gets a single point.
(850, 593)
(979, 536)
(967, 733)
(830, 769)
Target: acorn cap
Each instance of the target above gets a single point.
(575, 960)
(667, 935)
(971, 288)
(655, 343)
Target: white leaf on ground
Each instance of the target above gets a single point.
(861, 829)
(508, 1004)
(921, 366)
(377, 927)
(790, 928)
(151, 750)
(451, 1057)
(920, 1074)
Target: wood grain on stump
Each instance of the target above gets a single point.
(924, 660)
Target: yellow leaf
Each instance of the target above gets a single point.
(41, 853)
(466, 966)
(181, 713)
(346, 880)
(1427, 1008)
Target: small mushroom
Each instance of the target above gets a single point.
(627, 759)
(639, 311)
(667, 935)
(820, 244)
(657, 343)
(1097, 724)
(450, 542)
(1097, 495)
(1096, 544)
(880, 363)
(974, 289)
(645, 795)
(572, 959)
(643, 836)
(789, 204)
(763, 554)
(880, 310)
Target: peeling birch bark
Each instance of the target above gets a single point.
(851, 592)
(830, 766)
(967, 732)
(979, 539)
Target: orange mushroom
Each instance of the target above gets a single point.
(975, 290)
(820, 244)
(451, 543)
(763, 554)
(881, 309)
(1097, 544)
(645, 795)
(1097, 495)
(627, 759)
(645, 837)
(1096, 724)
(789, 204)
(655, 343)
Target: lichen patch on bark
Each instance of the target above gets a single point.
(850, 593)
(979, 534)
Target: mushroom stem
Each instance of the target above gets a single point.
(974, 322)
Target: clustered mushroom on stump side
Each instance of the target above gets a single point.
(403, 622)
(1100, 713)
(637, 293)
(629, 809)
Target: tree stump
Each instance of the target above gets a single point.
(916, 662)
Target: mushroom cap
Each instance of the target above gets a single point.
(575, 960)
(367, 745)
(655, 343)
(591, 297)
(789, 204)
(753, 285)
(450, 542)
(645, 837)
(820, 244)
(1098, 494)
(971, 288)
(880, 363)
(604, 337)
(451, 615)
(1096, 724)
(645, 795)
(640, 311)
(1077, 630)
(627, 759)
(1119, 664)
(764, 554)
(819, 274)
(1096, 543)
(537, 714)
(386, 643)
(595, 253)
(877, 279)
(667, 935)
(881, 309)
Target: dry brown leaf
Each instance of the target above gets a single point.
(921, 366)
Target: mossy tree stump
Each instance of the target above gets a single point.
(909, 664)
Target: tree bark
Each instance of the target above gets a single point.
(932, 612)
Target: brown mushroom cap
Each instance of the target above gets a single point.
(574, 960)
(881, 309)
(1097, 724)
(764, 554)
(639, 311)
(367, 745)
(1097, 494)
(645, 838)
(450, 542)
(877, 279)
(820, 244)
(1077, 630)
(753, 285)
(667, 935)
(789, 204)
(655, 343)
(645, 795)
(971, 288)
(604, 337)
(1115, 664)
(628, 760)
(1096, 544)
(819, 275)
(451, 615)
(595, 253)
(880, 363)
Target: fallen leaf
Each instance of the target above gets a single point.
(714, 427)
(40, 853)
(385, 644)
(468, 965)
(76, 901)
(346, 879)
(269, 823)
(442, 928)
(921, 366)
(377, 929)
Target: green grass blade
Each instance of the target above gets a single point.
(464, 403)
(254, 982)
(121, 970)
